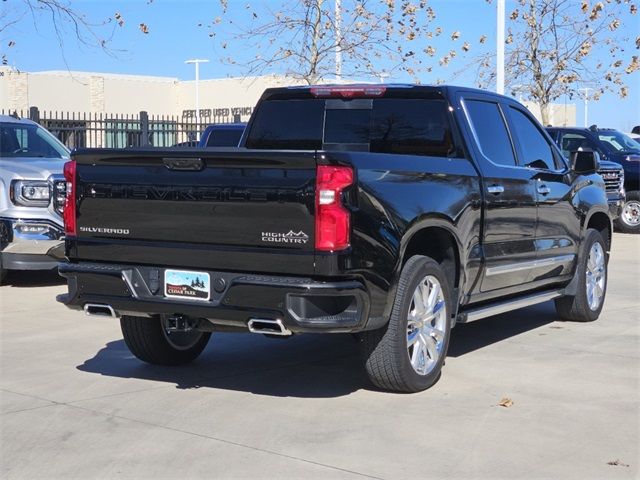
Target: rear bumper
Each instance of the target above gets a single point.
(28, 261)
(302, 304)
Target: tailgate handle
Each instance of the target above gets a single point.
(183, 163)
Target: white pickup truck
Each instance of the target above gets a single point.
(32, 192)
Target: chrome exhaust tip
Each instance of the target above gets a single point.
(99, 310)
(268, 327)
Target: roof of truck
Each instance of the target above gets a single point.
(12, 119)
(449, 89)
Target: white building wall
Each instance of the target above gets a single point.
(4, 88)
(560, 114)
(131, 95)
(59, 92)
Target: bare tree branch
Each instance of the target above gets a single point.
(554, 46)
(299, 38)
(61, 15)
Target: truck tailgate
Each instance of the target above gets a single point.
(227, 209)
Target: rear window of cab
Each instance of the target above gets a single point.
(382, 125)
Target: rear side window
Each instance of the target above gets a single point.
(288, 124)
(415, 127)
(386, 125)
(533, 145)
(488, 123)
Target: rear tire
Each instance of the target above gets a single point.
(629, 219)
(587, 303)
(407, 354)
(148, 340)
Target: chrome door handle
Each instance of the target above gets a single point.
(543, 189)
(495, 189)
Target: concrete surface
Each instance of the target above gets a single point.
(76, 404)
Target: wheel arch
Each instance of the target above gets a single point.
(600, 221)
(436, 241)
(433, 237)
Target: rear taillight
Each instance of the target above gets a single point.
(332, 218)
(69, 212)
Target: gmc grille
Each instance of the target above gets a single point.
(612, 179)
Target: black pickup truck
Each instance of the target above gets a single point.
(387, 211)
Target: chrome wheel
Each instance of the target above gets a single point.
(426, 325)
(631, 213)
(181, 340)
(596, 276)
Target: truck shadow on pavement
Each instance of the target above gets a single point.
(305, 366)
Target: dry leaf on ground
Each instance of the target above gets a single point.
(617, 462)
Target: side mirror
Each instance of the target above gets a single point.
(586, 161)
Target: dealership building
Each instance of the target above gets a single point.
(67, 91)
(82, 103)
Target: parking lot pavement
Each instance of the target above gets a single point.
(76, 404)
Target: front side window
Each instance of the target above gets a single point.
(29, 141)
(534, 147)
(491, 131)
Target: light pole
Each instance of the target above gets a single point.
(500, 18)
(518, 89)
(586, 104)
(197, 62)
(382, 75)
(338, 20)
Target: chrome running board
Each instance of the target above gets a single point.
(497, 308)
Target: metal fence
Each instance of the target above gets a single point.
(102, 130)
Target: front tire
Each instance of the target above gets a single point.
(407, 354)
(151, 342)
(629, 219)
(587, 303)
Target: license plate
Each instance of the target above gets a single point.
(185, 284)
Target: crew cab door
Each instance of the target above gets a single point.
(558, 229)
(510, 212)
